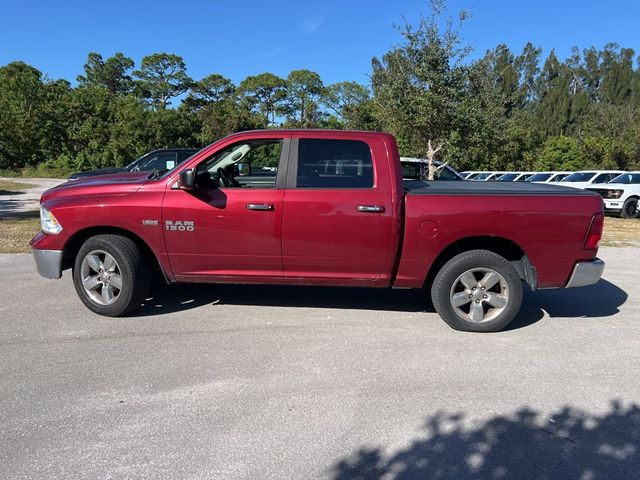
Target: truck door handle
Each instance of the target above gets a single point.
(260, 206)
(370, 208)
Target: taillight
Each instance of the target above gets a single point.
(594, 235)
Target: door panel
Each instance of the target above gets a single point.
(228, 239)
(325, 237)
(338, 235)
(236, 234)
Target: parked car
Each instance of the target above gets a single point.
(163, 159)
(336, 212)
(587, 178)
(479, 176)
(469, 174)
(621, 195)
(418, 169)
(514, 176)
(548, 177)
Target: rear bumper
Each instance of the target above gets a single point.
(586, 273)
(48, 262)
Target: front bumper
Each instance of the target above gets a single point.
(48, 262)
(613, 205)
(586, 273)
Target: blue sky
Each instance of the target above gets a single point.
(336, 38)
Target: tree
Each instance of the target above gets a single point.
(265, 93)
(304, 88)
(350, 102)
(33, 122)
(211, 89)
(162, 76)
(111, 74)
(219, 119)
(618, 78)
(560, 153)
(420, 84)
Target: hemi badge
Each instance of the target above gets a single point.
(151, 223)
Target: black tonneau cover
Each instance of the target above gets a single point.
(422, 187)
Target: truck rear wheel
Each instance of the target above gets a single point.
(477, 291)
(110, 274)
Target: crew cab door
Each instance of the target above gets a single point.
(229, 227)
(339, 225)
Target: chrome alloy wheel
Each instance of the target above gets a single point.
(479, 295)
(101, 277)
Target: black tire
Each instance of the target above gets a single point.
(131, 266)
(630, 208)
(479, 263)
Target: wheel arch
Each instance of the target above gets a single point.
(72, 246)
(502, 246)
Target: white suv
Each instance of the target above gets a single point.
(548, 177)
(621, 195)
(586, 178)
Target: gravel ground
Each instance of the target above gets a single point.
(297, 383)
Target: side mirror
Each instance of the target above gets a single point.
(241, 169)
(187, 179)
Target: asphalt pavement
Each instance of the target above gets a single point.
(247, 382)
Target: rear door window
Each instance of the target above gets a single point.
(343, 164)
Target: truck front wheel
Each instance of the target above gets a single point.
(477, 291)
(630, 208)
(110, 274)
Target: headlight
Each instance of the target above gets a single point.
(48, 222)
(614, 193)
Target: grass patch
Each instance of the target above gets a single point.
(13, 187)
(41, 171)
(16, 234)
(621, 232)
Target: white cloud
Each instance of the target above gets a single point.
(274, 52)
(311, 25)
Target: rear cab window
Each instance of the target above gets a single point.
(334, 164)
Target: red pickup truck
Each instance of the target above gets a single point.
(330, 209)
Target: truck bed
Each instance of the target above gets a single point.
(538, 218)
(421, 187)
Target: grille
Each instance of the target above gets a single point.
(602, 193)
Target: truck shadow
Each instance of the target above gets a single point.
(569, 444)
(600, 300)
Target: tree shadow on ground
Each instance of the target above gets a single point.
(569, 444)
(12, 208)
(600, 300)
(11, 192)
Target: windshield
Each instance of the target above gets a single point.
(411, 171)
(482, 176)
(579, 177)
(508, 177)
(539, 177)
(559, 177)
(420, 171)
(627, 178)
(136, 162)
